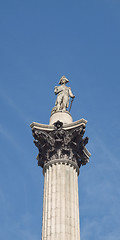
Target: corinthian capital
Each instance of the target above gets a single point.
(60, 141)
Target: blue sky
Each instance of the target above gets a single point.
(39, 42)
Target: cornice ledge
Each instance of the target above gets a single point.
(45, 127)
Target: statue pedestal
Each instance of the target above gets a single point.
(64, 117)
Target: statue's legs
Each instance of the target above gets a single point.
(65, 102)
(59, 102)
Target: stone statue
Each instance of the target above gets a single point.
(63, 94)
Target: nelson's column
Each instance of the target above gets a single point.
(62, 151)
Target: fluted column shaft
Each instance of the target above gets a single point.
(60, 202)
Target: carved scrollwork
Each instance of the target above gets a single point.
(60, 143)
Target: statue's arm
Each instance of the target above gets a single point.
(70, 93)
(55, 89)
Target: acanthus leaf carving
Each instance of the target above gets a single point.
(61, 143)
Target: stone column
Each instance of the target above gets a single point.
(60, 203)
(61, 153)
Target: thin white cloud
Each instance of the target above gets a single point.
(97, 144)
(9, 101)
(10, 138)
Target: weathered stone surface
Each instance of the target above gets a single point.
(60, 203)
(61, 142)
(64, 117)
(49, 128)
(63, 94)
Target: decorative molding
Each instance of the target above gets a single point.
(61, 161)
(61, 144)
(48, 128)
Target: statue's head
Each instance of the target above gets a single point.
(63, 80)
